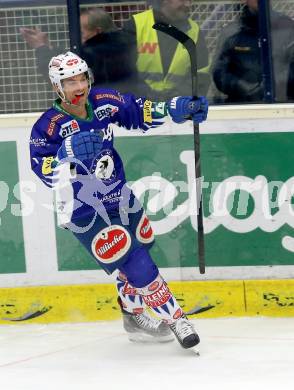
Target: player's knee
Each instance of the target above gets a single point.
(140, 268)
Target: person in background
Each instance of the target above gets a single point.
(163, 63)
(105, 48)
(77, 158)
(237, 66)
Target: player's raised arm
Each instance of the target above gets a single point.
(141, 113)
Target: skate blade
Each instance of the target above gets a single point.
(195, 350)
(144, 338)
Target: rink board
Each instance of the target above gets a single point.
(84, 303)
(248, 236)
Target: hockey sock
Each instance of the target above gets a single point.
(158, 297)
(131, 301)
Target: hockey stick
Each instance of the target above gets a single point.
(190, 46)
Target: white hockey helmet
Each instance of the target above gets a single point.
(67, 65)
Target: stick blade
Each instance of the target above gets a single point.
(172, 31)
(181, 37)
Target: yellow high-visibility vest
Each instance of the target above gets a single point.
(149, 63)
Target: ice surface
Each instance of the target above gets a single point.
(238, 353)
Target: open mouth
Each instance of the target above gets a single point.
(77, 97)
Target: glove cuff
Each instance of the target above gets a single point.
(65, 149)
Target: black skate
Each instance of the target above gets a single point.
(185, 333)
(144, 328)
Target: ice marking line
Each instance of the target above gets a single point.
(54, 352)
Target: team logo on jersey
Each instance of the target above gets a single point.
(111, 244)
(144, 232)
(103, 166)
(105, 111)
(69, 128)
(147, 111)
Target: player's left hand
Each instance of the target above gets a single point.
(182, 108)
(82, 146)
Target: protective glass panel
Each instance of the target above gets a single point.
(240, 69)
(282, 43)
(236, 59)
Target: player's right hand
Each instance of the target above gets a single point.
(82, 146)
(182, 108)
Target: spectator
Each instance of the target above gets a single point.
(105, 48)
(237, 68)
(162, 63)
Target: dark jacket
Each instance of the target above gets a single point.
(236, 68)
(109, 55)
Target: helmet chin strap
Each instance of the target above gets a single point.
(75, 100)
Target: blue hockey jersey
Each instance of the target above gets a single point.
(92, 182)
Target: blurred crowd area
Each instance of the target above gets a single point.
(123, 52)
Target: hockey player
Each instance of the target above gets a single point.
(104, 215)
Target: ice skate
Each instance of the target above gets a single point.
(185, 333)
(144, 328)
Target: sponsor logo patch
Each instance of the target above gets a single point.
(144, 231)
(105, 111)
(109, 96)
(38, 142)
(159, 297)
(159, 110)
(69, 128)
(111, 244)
(72, 61)
(153, 286)
(178, 314)
(147, 111)
(128, 289)
(47, 165)
(52, 123)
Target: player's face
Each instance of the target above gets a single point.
(76, 89)
(177, 9)
(252, 4)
